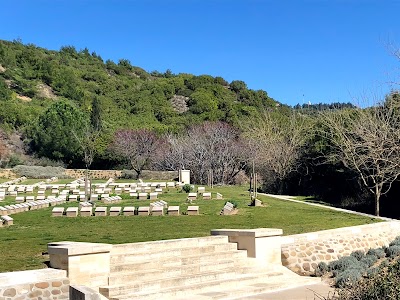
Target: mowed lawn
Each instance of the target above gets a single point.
(23, 246)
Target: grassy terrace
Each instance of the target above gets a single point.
(22, 244)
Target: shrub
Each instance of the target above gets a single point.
(45, 162)
(39, 172)
(379, 252)
(128, 174)
(369, 260)
(125, 196)
(343, 263)
(348, 277)
(382, 285)
(395, 242)
(372, 272)
(321, 269)
(187, 188)
(357, 254)
(393, 251)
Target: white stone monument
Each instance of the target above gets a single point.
(184, 176)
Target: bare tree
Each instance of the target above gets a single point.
(366, 141)
(276, 143)
(139, 147)
(208, 146)
(87, 138)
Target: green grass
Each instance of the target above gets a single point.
(22, 244)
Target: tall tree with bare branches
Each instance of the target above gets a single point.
(140, 147)
(215, 146)
(276, 142)
(366, 141)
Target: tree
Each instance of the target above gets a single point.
(140, 147)
(277, 143)
(367, 142)
(208, 146)
(87, 137)
(52, 136)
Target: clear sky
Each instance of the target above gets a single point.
(326, 50)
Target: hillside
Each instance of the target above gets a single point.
(31, 78)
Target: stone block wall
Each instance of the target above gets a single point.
(94, 174)
(301, 253)
(46, 284)
(7, 173)
(104, 174)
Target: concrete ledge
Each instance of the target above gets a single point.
(77, 248)
(258, 232)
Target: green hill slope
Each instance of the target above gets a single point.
(31, 78)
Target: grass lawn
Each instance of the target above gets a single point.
(22, 244)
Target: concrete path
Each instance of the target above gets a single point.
(292, 199)
(317, 291)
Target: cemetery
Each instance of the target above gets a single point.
(149, 240)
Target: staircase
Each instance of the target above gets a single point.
(195, 268)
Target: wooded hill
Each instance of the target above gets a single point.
(31, 78)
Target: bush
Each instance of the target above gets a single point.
(382, 285)
(321, 269)
(125, 196)
(372, 272)
(40, 172)
(187, 188)
(357, 254)
(379, 252)
(395, 242)
(345, 262)
(348, 277)
(43, 162)
(369, 260)
(393, 251)
(128, 174)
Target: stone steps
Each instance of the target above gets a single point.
(167, 244)
(159, 284)
(141, 256)
(179, 261)
(197, 268)
(133, 277)
(125, 274)
(236, 287)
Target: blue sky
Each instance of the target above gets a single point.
(326, 50)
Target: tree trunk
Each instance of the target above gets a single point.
(377, 198)
(86, 183)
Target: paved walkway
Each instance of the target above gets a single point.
(292, 199)
(319, 291)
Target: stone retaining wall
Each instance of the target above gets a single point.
(94, 174)
(301, 253)
(7, 173)
(43, 284)
(104, 174)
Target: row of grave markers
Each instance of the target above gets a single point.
(156, 210)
